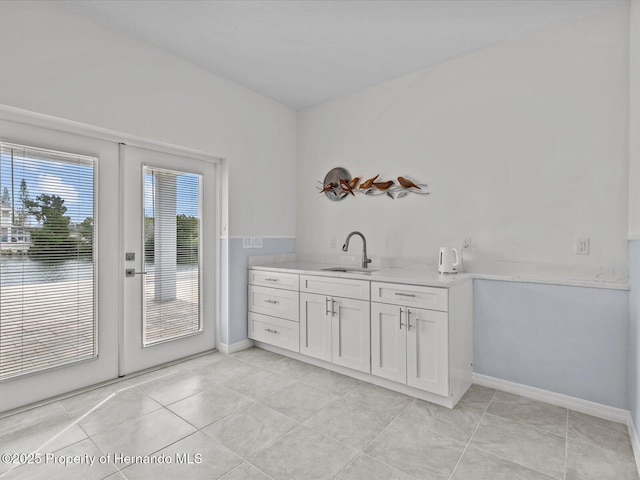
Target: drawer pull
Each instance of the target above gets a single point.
(405, 294)
(271, 301)
(270, 279)
(270, 330)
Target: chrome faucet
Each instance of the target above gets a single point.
(365, 261)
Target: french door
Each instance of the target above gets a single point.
(169, 225)
(78, 212)
(59, 271)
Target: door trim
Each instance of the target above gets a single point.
(216, 248)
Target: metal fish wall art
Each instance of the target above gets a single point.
(342, 185)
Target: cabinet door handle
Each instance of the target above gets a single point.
(270, 279)
(333, 308)
(339, 339)
(326, 306)
(408, 319)
(272, 301)
(270, 331)
(405, 294)
(401, 324)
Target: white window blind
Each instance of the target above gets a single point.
(47, 266)
(172, 233)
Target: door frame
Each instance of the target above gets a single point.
(57, 125)
(217, 164)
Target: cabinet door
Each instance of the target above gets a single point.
(351, 332)
(315, 326)
(389, 342)
(428, 350)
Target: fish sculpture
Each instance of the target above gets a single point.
(383, 185)
(406, 183)
(328, 187)
(354, 182)
(346, 187)
(369, 183)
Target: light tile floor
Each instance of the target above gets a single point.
(256, 415)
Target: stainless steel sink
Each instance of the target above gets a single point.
(348, 270)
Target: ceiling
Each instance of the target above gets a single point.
(305, 52)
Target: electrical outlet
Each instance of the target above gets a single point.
(582, 246)
(247, 242)
(466, 243)
(332, 242)
(257, 242)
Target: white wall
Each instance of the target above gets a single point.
(634, 216)
(568, 340)
(634, 120)
(524, 144)
(58, 63)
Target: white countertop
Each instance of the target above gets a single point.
(393, 275)
(422, 276)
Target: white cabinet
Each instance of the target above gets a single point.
(388, 342)
(335, 328)
(415, 339)
(411, 345)
(431, 298)
(273, 301)
(315, 326)
(350, 334)
(274, 331)
(428, 350)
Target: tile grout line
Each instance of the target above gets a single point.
(471, 436)
(224, 475)
(494, 454)
(362, 450)
(515, 462)
(526, 425)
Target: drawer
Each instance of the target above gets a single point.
(335, 287)
(274, 331)
(286, 281)
(274, 302)
(430, 298)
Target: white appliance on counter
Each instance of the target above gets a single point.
(448, 260)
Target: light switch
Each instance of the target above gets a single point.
(130, 256)
(257, 242)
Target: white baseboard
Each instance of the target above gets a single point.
(635, 442)
(584, 406)
(235, 347)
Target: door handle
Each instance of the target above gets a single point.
(326, 306)
(333, 309)
(271, 301)
(408, 319)
(401, 324)
(131, 272)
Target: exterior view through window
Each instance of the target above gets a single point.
(48, 252)
(172, 233)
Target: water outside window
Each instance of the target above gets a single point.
(47, 267)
